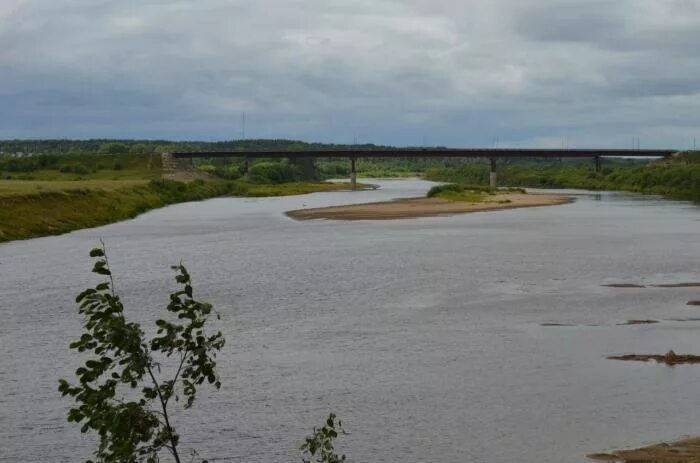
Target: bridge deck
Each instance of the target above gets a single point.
(434, 153)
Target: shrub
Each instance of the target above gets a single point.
(81, 169)
(457, 188)
(123, 364)
(274, 172)
(228, 173)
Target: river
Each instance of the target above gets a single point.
(424, 335)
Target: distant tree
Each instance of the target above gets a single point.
(160, 149)
(113, 148)
(122, 391)
(139, 148)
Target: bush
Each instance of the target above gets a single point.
(123, 358)
(81, 169)
(274, 172)
(456, 188)
(228, 173)
(679, 179)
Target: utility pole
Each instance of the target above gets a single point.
(243, 125)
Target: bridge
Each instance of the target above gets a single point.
(493, 154)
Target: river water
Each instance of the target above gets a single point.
(424, 335)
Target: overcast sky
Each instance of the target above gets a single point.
(439, 72)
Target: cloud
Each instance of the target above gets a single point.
(459, 73)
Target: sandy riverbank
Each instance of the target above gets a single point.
(684, 451)
(427, 207)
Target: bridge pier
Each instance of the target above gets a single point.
(598, 164)
(172, 165)
(492, 175)
(246, 169)
(353, 174)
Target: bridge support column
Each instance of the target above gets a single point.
(598, 164)
(353, 174)
(492, 174)
(246, 170)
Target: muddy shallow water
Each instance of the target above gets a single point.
(425, 335)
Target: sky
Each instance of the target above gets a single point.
(457, 73)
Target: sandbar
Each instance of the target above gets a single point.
(427, 207)
(683, 451)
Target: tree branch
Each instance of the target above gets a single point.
(164, 404)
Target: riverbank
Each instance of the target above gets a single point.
(678, 178)
(427, 207)
(30, 209)
(683, 451)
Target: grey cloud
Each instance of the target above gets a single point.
(460, 73)
(583, 21)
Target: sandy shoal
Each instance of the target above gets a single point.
(427, 207)
(685, 451)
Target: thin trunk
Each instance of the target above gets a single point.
(163, 404)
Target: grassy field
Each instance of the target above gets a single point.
(29, 187)
(468, 196)
(31, 209)
(82, 191)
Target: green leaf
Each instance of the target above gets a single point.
(96, 252)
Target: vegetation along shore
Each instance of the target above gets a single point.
(55, 186)
(676, 178)
(49, 194)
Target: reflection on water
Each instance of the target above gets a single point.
(423, 335)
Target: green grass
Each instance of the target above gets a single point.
(31, 209)
(467, 196)
(294, 188)
(29, 187)
(469, 193)
(55, 175)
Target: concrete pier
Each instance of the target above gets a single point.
(353, 174)
(598, 163)
(492, 175)
(172, 165)
(246, 169)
